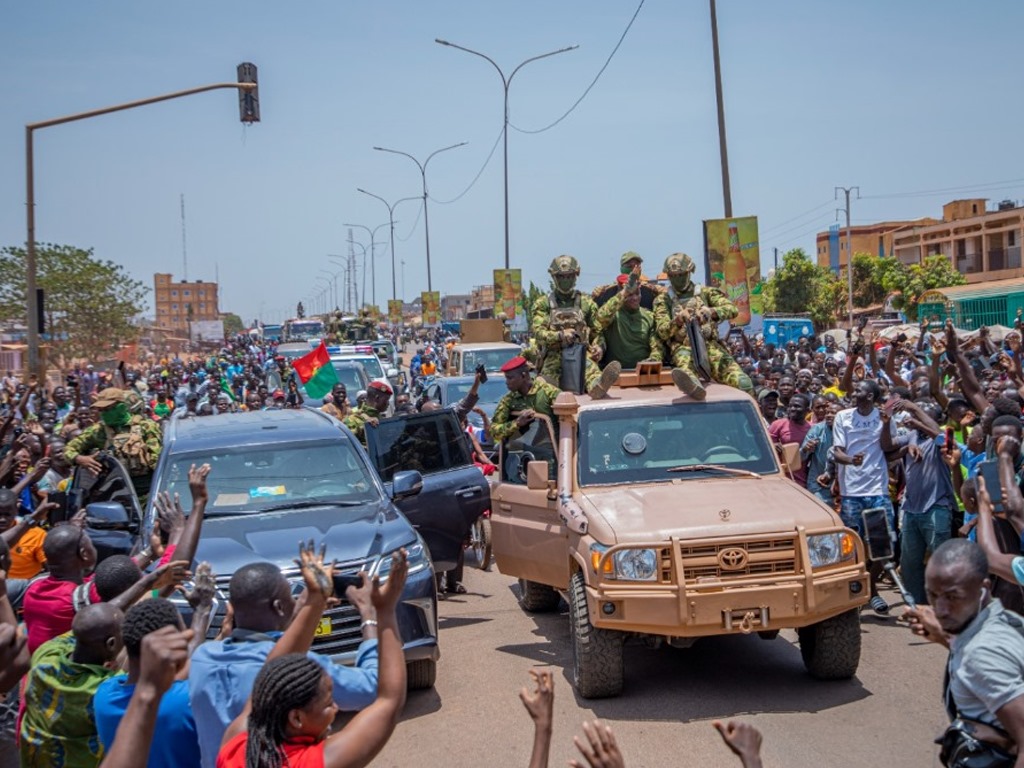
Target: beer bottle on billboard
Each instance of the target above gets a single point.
(735, 273)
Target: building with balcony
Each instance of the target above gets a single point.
(983, 245)
(875, 239)
(177, 304)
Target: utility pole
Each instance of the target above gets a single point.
(351, 293)
(849, 252)
(722, 148)
(184, 247)
(776, 259)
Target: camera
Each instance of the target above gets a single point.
(481, 371)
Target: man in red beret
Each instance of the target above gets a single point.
(526, 398)
(378, 394)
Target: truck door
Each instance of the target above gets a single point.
(529, 539)
(454, 493)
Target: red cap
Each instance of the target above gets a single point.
(380, 386)
(622, 279)
(511, 365)
(278, 393)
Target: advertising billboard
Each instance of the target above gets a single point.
(395, 311)
(431, 303)
(508, 294)
(732, 263)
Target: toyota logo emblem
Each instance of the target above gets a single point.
(732, 559)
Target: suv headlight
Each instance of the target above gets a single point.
(830, 549)
(636, 564)
(416, 554)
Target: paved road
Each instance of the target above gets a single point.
(887, 716)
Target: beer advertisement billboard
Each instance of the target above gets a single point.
(431, 303)
(395, 311)
(508, 293)
(732, 263)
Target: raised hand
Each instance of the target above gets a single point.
(386, 598)
(171, 574)
(362, 596)
(541, 702)
(601, 750)
(204, 587)
(742, 738)
(163, 655)
(169, 512)
(318, 575)
(197, 483)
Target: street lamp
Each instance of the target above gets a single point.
(506, 82)
(248, 113)
(423, 173)
(334, 279)
(391, 220)
(373, 268)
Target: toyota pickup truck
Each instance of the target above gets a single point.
(664, 518)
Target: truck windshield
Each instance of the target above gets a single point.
(253, 478)
(491, 391)
(650, 444)
(492, 359)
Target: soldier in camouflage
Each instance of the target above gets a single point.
(378, 394)
(672, 313)
(524, 400)
(133, 440)
(565, 317)
(629, 328)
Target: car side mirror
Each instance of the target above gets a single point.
(406, 484)
(107, 515)
(537, 475)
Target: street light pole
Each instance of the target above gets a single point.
(31, 276)
(723, 150)
(506, 82)
(373, 260)
(423, 174)
(391, 221)
(334, 278)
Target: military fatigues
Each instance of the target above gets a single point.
(356, 421)
(629, 336)
(136, 445)
(724, 369)
(553, 314)
(539, 399)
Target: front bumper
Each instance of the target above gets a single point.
(693, 597)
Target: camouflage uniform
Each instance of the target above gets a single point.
(630, 336)
(539, 398)
(356, 421)
(136, 445)
(611, 288)
(556, 314)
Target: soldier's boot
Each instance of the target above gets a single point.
(608, 377)
(688, 384)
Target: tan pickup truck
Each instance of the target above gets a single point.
(660, 517)
(482, 343)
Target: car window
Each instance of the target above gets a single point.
(426, 444)
(642, 444)
(537, 443)
(492, 359)
(491, 391)
(250, 478)
(370, 364)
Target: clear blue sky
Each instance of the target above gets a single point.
(907, 96)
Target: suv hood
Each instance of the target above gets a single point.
(350, 533)
(694, 509)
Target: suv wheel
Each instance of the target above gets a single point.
(831, 648)
(537, 598)
(421, 673)
(480, 542)
(596, 653)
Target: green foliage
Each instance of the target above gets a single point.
(531, 296)
(90, 305)
(913, 281)
(232, 324)
(800, 285)
(867, 288)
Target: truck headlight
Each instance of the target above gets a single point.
(417, 557)
(830, 548)
(636, 564)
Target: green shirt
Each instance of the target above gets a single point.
(629, 336)
(539, 398)
(357, 420)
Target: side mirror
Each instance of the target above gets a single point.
(107, 515)
(537, 475)
(406, 484)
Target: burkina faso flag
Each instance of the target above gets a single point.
(316, 372)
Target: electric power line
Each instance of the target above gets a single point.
(783, 232)
(475, 178)
(419, 213)
(946, 190)
(593, 82)
(802, 215)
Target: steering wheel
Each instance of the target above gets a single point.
(718, 449)
(328, 487)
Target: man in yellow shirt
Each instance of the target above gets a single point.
(25, 537)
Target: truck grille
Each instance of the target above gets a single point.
(738, 559)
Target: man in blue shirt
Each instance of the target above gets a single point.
(222, 673)
(175, 742)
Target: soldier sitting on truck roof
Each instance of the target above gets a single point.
(628, 328)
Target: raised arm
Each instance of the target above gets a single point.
(968, 381)
(999, 562)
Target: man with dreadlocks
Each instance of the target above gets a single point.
(287, 719)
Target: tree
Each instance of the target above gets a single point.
(90, 305)
(232, 324)
(532, 295)
(867, 285)
(912, 281)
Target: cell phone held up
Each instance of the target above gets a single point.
(342, 581)
(950, 443)
(481, 371)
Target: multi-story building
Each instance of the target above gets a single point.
(178, 304)
(983, 245)
(875, 239)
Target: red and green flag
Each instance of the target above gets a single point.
(316, 372)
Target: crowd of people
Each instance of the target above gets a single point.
(97, 662)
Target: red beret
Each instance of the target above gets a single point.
(511, 365)
(622, 279)
(380, 386)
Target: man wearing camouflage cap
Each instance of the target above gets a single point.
(134, 440)
(565, 317)
(629, 328)
(673, 311)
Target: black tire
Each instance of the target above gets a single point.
(831, 648)
(420, 674)
(598, 670)
(537, 598)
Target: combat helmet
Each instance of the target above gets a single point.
(679, 264)
(564, 265)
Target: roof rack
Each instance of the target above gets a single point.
(646, 374)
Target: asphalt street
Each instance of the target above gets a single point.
(887, 715)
